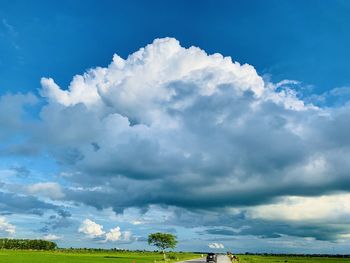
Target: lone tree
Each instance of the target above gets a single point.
(162, 241)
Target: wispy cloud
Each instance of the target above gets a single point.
(11, 32)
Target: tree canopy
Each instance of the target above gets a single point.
(162, 240)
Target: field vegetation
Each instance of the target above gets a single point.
(90, 256)
(291, 259)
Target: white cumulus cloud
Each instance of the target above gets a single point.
(150, 117)
(114, 234)
(178, 128)
(91, 229)
(6, 227)
(216, 245)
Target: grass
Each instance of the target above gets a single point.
(22, 256)
(290, 259)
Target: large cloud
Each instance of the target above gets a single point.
(331, 208)
(12, 112)
(178, 127)
(176, 118)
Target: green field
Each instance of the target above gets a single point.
(289, 259)
(21, 256)
(24, 256)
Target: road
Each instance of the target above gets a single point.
(221, 259)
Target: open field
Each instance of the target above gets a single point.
(289, 259)
(22, 256)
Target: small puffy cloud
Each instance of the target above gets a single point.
(48, 189)
(52, 237)
(113, 235)
(91, 229)
(6, 227)
(95, 231)
(216, 245)
(116, 235)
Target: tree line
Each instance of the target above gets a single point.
(35, 244)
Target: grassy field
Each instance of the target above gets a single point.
(19, 256)
(285, 259)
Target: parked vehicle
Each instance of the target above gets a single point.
(212, 257)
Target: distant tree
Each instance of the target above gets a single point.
(35, 244)
(162, 241)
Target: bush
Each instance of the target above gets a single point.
(172, 255)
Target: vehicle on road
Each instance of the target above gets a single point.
(212, 257)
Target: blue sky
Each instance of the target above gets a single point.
(222, 122)
(299, 40)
